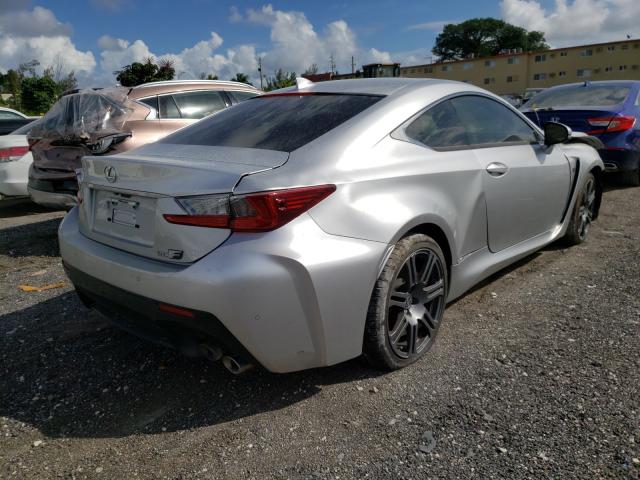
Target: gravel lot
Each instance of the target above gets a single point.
(536, 374)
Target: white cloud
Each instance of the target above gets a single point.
(573, 22)
(36, 34)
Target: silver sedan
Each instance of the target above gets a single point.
(309, 226)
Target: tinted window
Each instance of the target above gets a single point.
(241, 96)
(4, 115)
(580, 96)
(487, 121)
(199, 104)
(438, 127)
(25, 129)
(278, 122)
(151, 102)
(168, 108)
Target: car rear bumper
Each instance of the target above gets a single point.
(620, 160)
(294, 298)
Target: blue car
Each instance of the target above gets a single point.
(609, 110)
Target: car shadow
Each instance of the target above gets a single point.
(32, 239)
(68, 373)
(20, 207)
(613, 181)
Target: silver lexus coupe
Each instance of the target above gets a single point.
(315, 224)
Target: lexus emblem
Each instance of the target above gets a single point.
(110, 173)
(555, 119)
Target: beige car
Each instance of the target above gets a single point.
(114, 120)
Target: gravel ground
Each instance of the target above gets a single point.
(536, 374)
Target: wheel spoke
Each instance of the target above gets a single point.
(412, 338)
(428, 268)
(400, 327)
(400, 299)
(413, 271)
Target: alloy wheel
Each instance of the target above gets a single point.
(587, 208)
(416, 304)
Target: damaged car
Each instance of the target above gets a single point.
(306, 227)
(115, 120)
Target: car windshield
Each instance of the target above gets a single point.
(274, 122)
(581, 96)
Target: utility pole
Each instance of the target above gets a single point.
(332, 64)
(260, 70)
(353, 65)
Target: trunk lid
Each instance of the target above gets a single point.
(575, 118)
(125, 196)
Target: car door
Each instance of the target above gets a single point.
(526, 184)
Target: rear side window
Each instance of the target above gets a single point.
(5, 115)
(438, 127)
(199, 104)
(278, 122)
(589, 95)
(168, 108)
(242, 96)
(150, 102)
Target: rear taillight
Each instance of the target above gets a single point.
(255, 212)
(616, 123)
(11, 154)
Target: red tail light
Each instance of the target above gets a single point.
(256, 212)
(616, 123)
(13, 153)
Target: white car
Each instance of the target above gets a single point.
(15, 160)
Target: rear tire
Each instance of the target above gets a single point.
(583, 212)
(407, 304)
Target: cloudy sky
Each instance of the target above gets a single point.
(96, 37)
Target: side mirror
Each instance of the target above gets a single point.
(556, 133)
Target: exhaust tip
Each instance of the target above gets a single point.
(211, 352)
(236, 365)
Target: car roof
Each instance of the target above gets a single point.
(169, 86)
(375, 86)
(6, 109)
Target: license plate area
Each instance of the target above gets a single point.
(124, 217)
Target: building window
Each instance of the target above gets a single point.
(636, 45)
(584, 72)
(608, 69)
(512, 78)
(467, 66)
(562, 73)
(625, 47)
(513, 60)
(635, 67)
(540, 58)
(622, 67)
(539, 76)
(611, 48)
(587, 52)
(446, 68)
(490, 63)
(428, 70)
(489, 80)
(564, 54)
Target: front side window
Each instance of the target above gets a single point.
(199, 104)
(274, 122)
(488, 122)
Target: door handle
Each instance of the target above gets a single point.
(496, 169)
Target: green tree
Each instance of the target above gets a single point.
(482, 37)
(208, 76)
(242, 78)
(38, 94)
(281, 79)
(138, 73)
(11, 84)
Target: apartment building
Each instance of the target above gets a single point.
(513, 72)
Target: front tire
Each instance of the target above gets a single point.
(583, 212)
(407, 304)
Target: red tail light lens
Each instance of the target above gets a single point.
(256, 212)
(13, 153)
(616, 123)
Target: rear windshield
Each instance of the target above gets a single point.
(23, 130)
(280, 122)
(581, 96)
